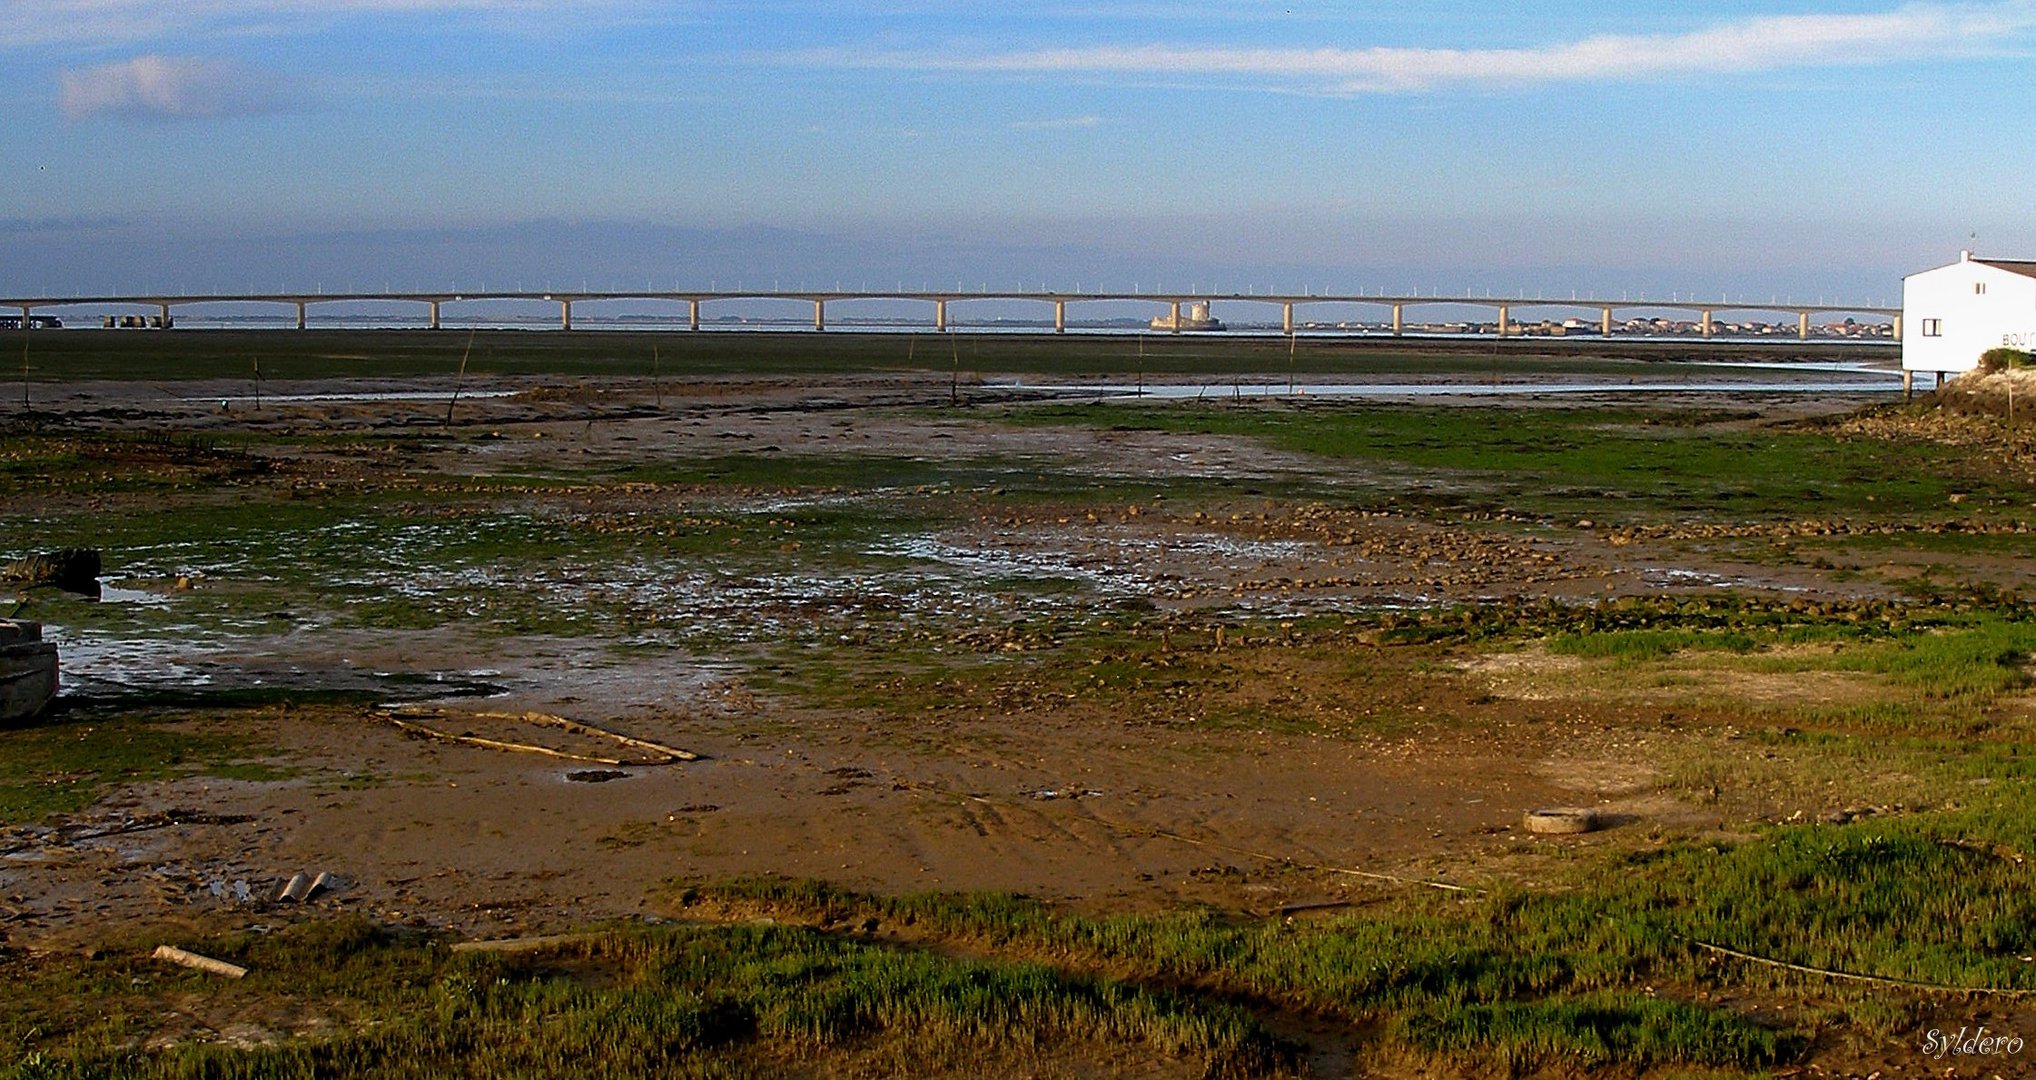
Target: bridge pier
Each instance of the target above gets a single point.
(1287, 317)
(819, 314)
(25, 309)
(301, 305)
(1898, 328)
(940, 316)
(1505, 319)
(693, 314)
(1060, 316)
(1177, 317)
(1605, 322)
(434, 315)
(1803, 325)
(1399, 319)
(164, 311)
(565, 314)
(1707, 322)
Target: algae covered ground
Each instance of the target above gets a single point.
(1037, 735)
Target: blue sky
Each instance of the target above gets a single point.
(1744, 148)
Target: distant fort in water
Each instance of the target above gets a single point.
(1197, 318)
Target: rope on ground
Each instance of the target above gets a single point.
(1878, 980)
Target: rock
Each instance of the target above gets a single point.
(1562, 820)
(70, 569)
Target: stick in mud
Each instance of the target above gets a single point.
(461, 377)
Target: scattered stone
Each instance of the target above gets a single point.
(595, 776)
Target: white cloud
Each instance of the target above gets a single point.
(1760, 43)
(169, 87)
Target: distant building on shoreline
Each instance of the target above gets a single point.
(1952, 314)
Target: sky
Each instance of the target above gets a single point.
(1747, 149)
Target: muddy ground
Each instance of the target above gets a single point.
(1044, 793)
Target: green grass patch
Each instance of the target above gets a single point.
(61, 766)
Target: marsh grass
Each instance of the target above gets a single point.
(1467, 982)
(645, 1001)
(1606, 464)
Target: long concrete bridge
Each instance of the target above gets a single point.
(1503, 307)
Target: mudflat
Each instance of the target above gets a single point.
(1280, 659)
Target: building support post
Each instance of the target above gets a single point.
(1707, 322)
(1605, 322)
(301, 305)
(1803, 325)
(819, 314)
(693, 314)
(1505, 320)
(940, 316)
(1060, 316)
(434, 315)
(1177, 317)
(1908, 384)
(1399, 319)
(1287, 317)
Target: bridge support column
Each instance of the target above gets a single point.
(1803, 325)
(565, 314)
(693, 314)
(301, 305)
(1605, 322)
(1399, 319)
(434, 315)
(1177, 317)
(940, 316)
(1287, 318)
(1505, 320)
(1707, 322)
(819, 314)
(164, 311)
(1898, 328)
(1060, 316)
(25, 309)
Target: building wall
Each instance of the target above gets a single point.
(1954, 313)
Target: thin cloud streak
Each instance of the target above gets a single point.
(1762, 43)
(169, 88)
(1063, 123)
(118, 22)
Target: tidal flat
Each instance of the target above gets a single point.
(1036, 734)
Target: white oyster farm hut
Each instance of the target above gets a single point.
(1954, 313)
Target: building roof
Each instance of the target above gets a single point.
(2024, 267)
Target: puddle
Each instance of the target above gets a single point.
(1869, 383)
(353, 396)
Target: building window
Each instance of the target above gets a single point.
(1933, 327)
(1979, 288)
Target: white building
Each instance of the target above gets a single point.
(1954, 313)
